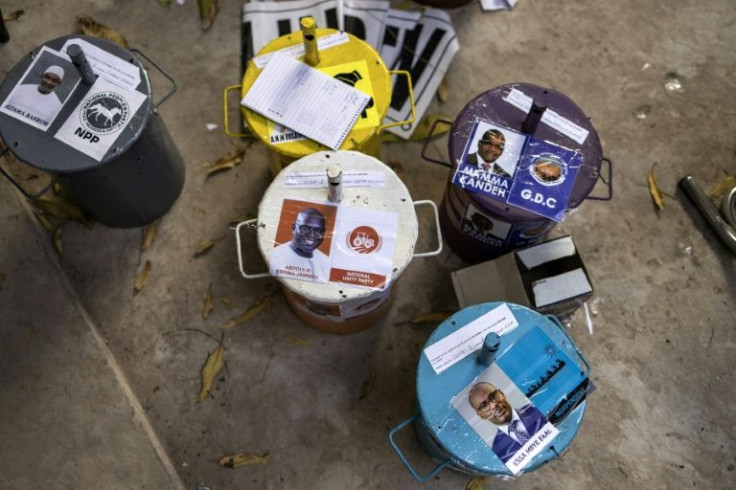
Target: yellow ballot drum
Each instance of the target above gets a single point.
(339, 55)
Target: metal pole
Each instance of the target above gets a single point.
(709, 211)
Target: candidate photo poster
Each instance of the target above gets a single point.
(505, 419)
(43, 89)
(494, 149)
(303, 241)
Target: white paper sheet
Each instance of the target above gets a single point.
(547, 252)
(107, 65)
(96, 123)
(324, 42)
(305, 100)
(318, 180)
(468, 339)
(431, 54)
(550, 290)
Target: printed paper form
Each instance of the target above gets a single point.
(468, 339)
(305, 100)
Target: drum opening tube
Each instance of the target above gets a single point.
(529, 126)
(709, 211)
(309, 30)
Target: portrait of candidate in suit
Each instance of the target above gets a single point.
(493, 149)
(514, 426)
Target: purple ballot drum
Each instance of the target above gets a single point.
(480, 226)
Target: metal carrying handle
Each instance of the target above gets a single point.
(411, 102)
(437, 224)
(564, 332)
(174, 87)
(429, 138)
(240, 252)
(609, 183)
(226, 114)
(401, 456)
(19, 187)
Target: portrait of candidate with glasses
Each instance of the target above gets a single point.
(300, 258)
(515, 427)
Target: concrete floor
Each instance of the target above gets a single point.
(99, 386)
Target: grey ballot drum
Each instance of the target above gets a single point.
(141, 174)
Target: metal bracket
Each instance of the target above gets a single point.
(174, 87)
(437, 224)
(413, 472)
(240, 252)
(429, 138)
(608, 182)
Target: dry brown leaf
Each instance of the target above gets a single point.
(242, 459)
(478, 483)
(443, 90)
(207, 12)
(203, 248)
(57, 241)
(93, 28)
(45, 222)
(654, 190)
(296, 341)
(396, 166)
(723, 186)
(437, 317)
(209, 303)
(210, 370)
(231, 160)
(227, 302)
(149, 235)
(367, 387)
(11, 16)
(58, 207)
(249, 313)
(142, 279)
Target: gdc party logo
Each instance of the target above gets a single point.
(364, 240)
(105, 112)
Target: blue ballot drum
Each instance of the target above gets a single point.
(501, 391)
(485, 224)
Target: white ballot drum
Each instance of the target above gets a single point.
(501, 391)
(338, 260)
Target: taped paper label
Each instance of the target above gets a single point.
(550, 118)
(445, 353)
